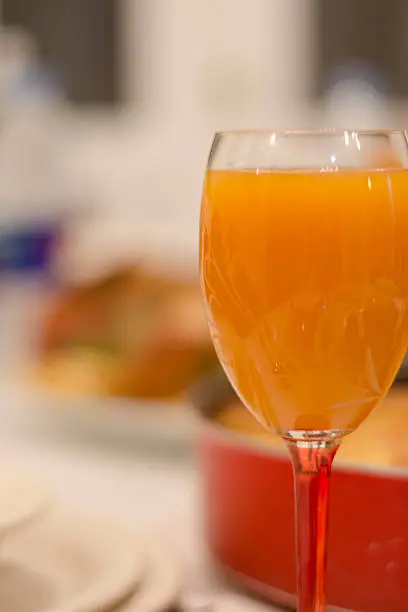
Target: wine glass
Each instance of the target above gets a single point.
(304, 274)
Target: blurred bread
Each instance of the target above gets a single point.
(131, 334)
(380, 440)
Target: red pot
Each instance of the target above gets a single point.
(249, 513)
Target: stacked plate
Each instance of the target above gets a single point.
(55, 561)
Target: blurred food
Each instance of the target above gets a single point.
(380, 440)
(134, 333)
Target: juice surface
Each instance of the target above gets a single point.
(305, 280)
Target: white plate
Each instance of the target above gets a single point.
(21, 498)
(161, 587)
(125, 420)
(66, 563)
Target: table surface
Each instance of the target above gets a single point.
(153, 491)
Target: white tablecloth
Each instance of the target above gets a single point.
(157, 493)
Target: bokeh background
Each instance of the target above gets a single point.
(107, 113)
(136, 88)
(109, 107)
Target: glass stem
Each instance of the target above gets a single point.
(312, 462)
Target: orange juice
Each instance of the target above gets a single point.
(305, 280)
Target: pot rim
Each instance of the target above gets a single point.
(214, 430)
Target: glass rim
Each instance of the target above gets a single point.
(312, 132)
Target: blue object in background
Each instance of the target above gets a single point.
(28, 249)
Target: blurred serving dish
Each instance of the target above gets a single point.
(249, 510)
